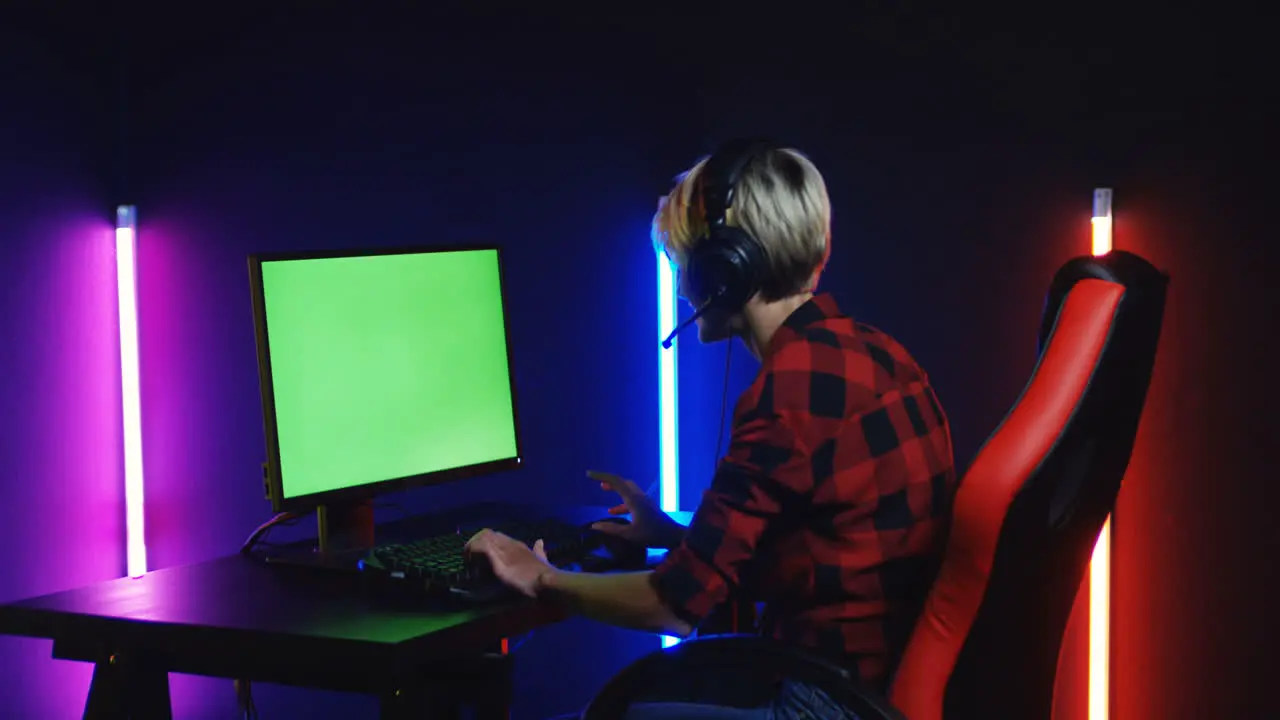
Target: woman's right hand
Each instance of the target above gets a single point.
(649, 526)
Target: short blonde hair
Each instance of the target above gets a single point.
(780, 199)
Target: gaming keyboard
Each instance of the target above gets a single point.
(438, 564)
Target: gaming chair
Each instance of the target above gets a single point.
(1026, 517)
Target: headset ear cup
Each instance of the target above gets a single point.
(743, 262)
(705, 275)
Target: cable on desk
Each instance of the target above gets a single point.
(259, 535)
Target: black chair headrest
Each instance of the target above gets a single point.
(1135, 273)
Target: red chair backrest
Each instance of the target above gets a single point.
(1030, 507)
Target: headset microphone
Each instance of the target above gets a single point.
(666, 344)
(702, 310)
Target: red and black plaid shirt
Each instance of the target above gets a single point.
(831, 505)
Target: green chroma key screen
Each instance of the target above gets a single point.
(386, 366)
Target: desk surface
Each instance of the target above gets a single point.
(249, 610)
(239, 618)
(238, 594)
(245, 611)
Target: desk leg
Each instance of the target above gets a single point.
(106, 693)
(482, 683)
(118, 692)
(495, 710)
(497, 686)
(417, 705)
(149, 696)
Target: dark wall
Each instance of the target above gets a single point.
(961, 158)
(961, 152)
(348, 131)
(61, 497)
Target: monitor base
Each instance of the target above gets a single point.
(308, 556)
(345, 528)
(345, 536)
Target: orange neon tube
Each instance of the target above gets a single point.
(1100, 566)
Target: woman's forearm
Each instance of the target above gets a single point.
(623, 599)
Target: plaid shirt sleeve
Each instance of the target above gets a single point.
(765, 472)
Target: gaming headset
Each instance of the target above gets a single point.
(727, 265)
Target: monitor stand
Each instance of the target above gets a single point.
(345, 527)
(345, 536)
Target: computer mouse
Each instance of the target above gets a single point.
(614, 519)
(610, 552)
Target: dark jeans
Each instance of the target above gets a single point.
(795, 701)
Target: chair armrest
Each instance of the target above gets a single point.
(749, 653)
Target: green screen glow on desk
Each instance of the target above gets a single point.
(387, 366)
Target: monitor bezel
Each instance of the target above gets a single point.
(274, 476)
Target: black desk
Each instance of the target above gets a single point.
(238, 618)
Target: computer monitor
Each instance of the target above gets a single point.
(380, 371)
